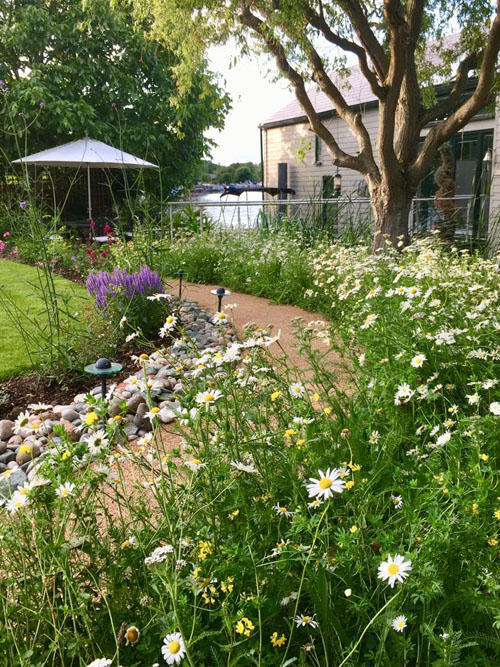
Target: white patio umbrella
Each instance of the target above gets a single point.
(87, 153)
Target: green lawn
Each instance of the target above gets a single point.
(17, 283)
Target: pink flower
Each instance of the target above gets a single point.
(92, 224)
(2, 246)
(6, 234)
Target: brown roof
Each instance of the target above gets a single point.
(354, 87)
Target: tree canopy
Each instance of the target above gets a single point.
(72, 67)
(316, 41)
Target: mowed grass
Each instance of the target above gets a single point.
(21, 284)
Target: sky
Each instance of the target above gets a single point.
(254, 98)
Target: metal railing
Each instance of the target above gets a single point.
(335, 214)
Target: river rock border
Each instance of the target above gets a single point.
(19, 451)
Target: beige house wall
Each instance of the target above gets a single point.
(283, 144)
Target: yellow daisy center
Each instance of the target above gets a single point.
(18, 504)
(155, 410)
(64, 492)
(400, 624)
(283, 509)
(393, 569)
(306, 619)
(325, 483)
(208, 397)
(196, 461)
(174, 647)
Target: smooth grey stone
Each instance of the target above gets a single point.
(12, 465)
(95, 391)
(114, 407)
(6, 429)
(3, 467)
(25, 457)
(3, 446)
(167, 416)
(131, 430)
(134, 402)
(15, 440)
(70, 415)
(10, 483)
(7, 456)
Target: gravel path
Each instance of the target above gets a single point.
(261, 311)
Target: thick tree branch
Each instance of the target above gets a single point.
(319, 22)
(399, 39)
(367, 37)
(359, 163)
(454, 99)
(442, 132)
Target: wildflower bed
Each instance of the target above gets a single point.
(297, 524)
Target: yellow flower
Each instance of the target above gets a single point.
(233, 515)
(353, 529)
(327, 410)
(484, 457)
(244, 626)
(354, 466)
(144, 356)
(497, 514)
(475, 508)
(315, 396)
(227, 586)
(65, 455)
(91, 418)
(24, 449)
(493, 542)
(349, 484)
(125, 544)
(117, 418)
(289, 432)
(277, 641)
(275, 395)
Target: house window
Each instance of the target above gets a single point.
(318, 148)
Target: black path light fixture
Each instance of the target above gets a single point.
(180, 273)
(103, 367)
(220, 293)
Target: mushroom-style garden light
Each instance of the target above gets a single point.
(103, 367)
(220, 292)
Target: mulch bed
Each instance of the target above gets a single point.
(17, 392)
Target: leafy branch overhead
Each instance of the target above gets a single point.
(93, 68)
(401, 49)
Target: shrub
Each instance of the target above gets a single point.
(126, 295)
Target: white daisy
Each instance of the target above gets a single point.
(168, 326)
(195, 464)
(97, 442)
(65, 489)
(131, 336)
(495, 408)
(297, 389)
(302, 620)
(100, 662)
(16, 502)
(399, 623)
(243, 467)
(219, 318)
(158, 297)
(173, 649)
(398, 501)
(394, 569)
(282, 511)
(374, 437)
(39, 407)
(21, 422)
(208, 397)
(418, 360)
(328, 483)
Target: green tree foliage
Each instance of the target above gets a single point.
(312, 42)
(73, 67)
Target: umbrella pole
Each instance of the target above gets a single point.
(89, 193)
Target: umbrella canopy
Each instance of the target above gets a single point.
(86, 153)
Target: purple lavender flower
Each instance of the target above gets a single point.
(42, 104)
(23, 204)
(121, 285)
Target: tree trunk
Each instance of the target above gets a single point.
(391, 212)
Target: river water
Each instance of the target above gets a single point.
(234, 217)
